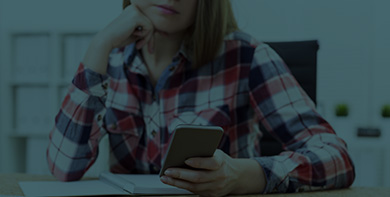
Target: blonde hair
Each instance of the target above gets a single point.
(214, 20)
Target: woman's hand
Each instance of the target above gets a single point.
(119, 33)
(218, 176)
(124, 29)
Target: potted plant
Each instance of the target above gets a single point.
(386, 111)
(342, 110)
(342, 122)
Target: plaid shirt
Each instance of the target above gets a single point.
(246, 85)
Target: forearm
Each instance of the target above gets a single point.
(303, 169)
(62, 158)
(74, 139)
(78, 129)
(251, 177)
(96, 57)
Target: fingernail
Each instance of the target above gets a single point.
(189, 162)
(164, 179)
(168, 172)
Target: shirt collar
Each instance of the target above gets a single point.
(130, 53)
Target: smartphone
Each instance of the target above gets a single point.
(191, 141)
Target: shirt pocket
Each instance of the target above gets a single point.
(123, 115)
(215, 116)
(122, 122)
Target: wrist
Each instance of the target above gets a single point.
(101, 41)
(251, 177)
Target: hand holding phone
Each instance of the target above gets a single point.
(190, 141)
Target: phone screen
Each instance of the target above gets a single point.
(191, 141)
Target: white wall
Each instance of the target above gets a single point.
(2, 148)
(51, 16)
(353, 35)
(57, 14)
(353, 65)
(381, 59)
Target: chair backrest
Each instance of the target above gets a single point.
(301, 58)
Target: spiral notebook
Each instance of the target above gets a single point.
(108, 184)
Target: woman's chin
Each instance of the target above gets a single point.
(167, 27)
(164, 28)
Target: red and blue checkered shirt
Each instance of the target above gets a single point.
(246, 85)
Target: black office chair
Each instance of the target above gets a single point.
(301, 58)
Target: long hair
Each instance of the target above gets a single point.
(214, 20)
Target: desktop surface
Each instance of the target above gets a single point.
(9, 187)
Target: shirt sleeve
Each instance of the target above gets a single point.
(78, 126)
(314, 157)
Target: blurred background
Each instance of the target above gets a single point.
(43, 41)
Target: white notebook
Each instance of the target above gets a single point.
(108, 184)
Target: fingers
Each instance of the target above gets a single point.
(143, 30)
(203, 189)
(127, 42)
(212, 178)
(209, 163)
(137, 35)
(194, 176)
(184, 184)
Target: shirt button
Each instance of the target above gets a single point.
(154, 133)
(99, 118)
(155, 168)
(105, 86)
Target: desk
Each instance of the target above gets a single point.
(9, 186)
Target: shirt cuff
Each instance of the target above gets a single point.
(275, 172)
(90, 82)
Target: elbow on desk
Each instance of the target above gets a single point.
(61, 175)
(335, 170)
(349, 173)
(344, 171)
(66, 177)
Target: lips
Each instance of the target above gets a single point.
(166, 9)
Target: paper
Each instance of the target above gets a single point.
(76, 188)
(151, 184)
(109, 184)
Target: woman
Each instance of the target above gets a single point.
(173, 62)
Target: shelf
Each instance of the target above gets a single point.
(40, 82)
(28, 136)
(30, 82)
